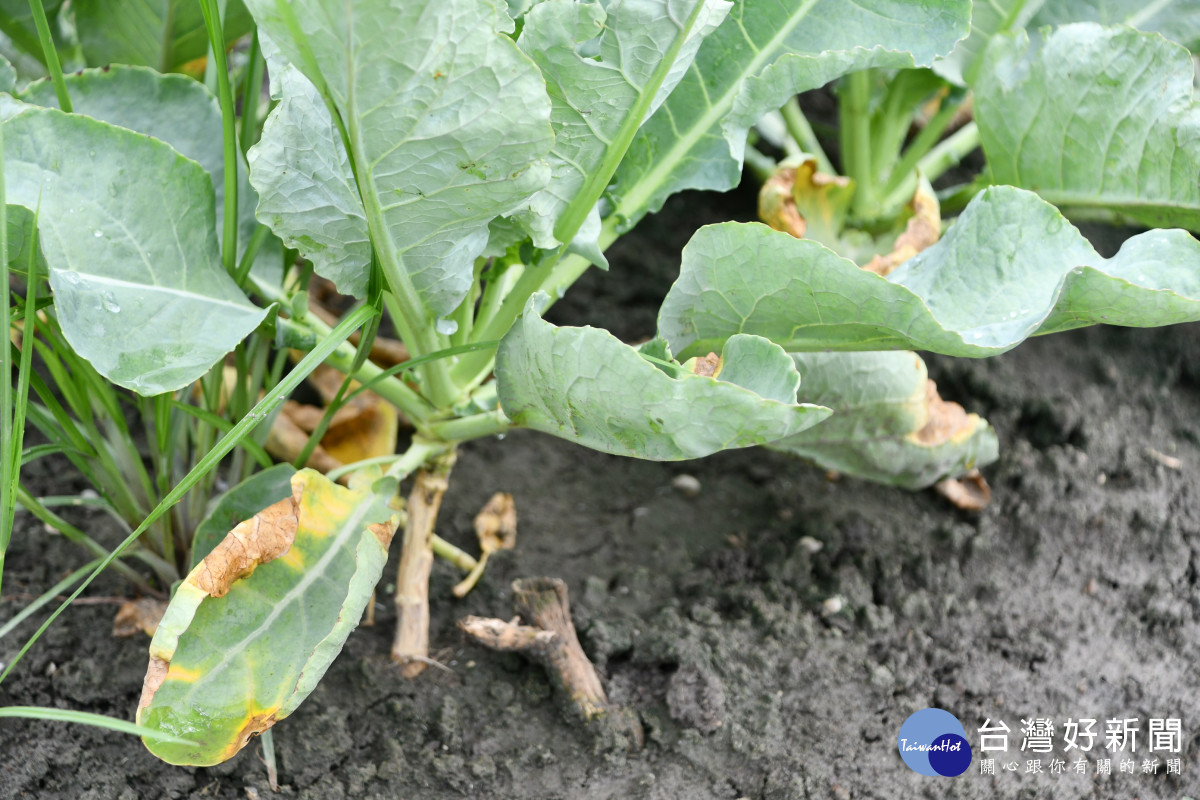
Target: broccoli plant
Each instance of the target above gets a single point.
(457, 165)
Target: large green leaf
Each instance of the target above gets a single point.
(886, 426)
(988, 19)
(446, 121)
(607, 71)
(1094, 118)
(305, 182)
(584, 385)
(1178, 20)
(764, 53)
(253, 628)
(1011, 267)
(128, 231)
(163, 34)
(173, 108)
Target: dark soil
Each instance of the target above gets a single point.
(772, 633)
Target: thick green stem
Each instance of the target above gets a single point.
(50, 52)
(760, 165)
(950, 152)
(392, 389)
(473, 368)
(476, 426)
(435, 377)
(802, 132)
(856, 141)
(166, 45)
(905, 168)
(448, 552)
(889, 127)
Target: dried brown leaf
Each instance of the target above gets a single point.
(923, 230)
(286, 440)
(777, 206)
(258, 540)
(708, 366)
(384, 351)
(946, 422)
(496, 523)
(141, 615)
(970, 492)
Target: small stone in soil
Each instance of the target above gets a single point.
(686, 485)
(832, 605)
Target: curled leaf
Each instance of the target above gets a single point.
(1010, 267)
(496, 528)
(923, 229)
(806, 203)
(496, 523)
(255, 625)
(584, 385)
(970, 492)
(889, 423)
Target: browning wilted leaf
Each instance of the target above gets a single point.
(922, 230)
(946, 421)
(777, 207)
(707, 367)
(253, 627)
(801, 201)
(365, 427)
(970, 492)
(496, 528)
(258, 540)
(141, 615)
(262, 538)
(496, 523)
(286, 440)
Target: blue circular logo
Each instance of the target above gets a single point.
(933, 742)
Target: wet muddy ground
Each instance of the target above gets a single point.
(772, 633)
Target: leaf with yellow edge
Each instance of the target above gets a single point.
(255, 625)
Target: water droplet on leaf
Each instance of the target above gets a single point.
(446, 326)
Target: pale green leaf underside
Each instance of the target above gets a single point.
(987, 19)
(1011, 267)
(305, 183)
(136, 31)
(173, 108)
(879, 405)
(8, 75)
(437, 153)
(1178, 20)
(765, 52)
(584, 385)
(1095, 118)
(606, 71)
(128, 231)
(245, 660)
